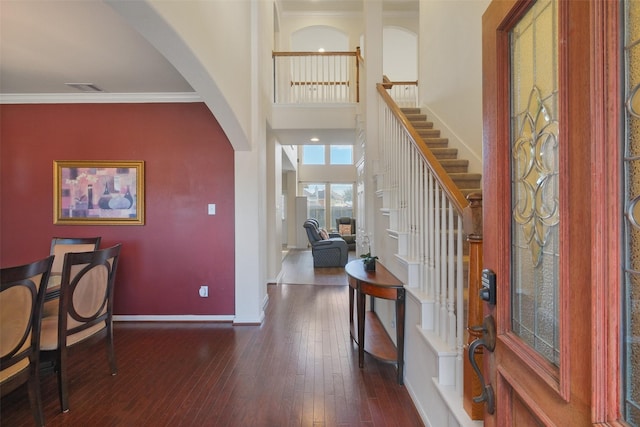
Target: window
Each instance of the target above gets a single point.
(317, 155)
(313, 155)
(341, 155)
(315, 194)
(340, 202)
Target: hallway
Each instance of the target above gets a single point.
(297, 369)
(297, 269)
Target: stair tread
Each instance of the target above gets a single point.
(454, 162)
(438, 141)
(443, 155)
(416, 117)
(422, 124)
(428, 133)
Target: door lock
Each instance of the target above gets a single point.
(488, 290)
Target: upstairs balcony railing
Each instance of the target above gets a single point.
(316, 77)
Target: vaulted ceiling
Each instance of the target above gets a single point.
(46, 44)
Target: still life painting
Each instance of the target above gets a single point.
(98, 192)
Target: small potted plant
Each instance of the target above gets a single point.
(369, 261)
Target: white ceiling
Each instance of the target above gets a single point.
(47, 43)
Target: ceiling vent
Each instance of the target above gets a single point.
(85, 87)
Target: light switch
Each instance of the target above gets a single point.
(211, 208)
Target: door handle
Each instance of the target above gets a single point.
(488, 341)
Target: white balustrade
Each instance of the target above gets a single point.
(432, 223)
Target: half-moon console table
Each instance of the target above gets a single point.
(374, 339)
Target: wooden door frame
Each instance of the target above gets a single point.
(595, 247)
(607, 217)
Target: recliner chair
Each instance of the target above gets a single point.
(331, 252)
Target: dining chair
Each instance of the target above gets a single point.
(22, 292)
(59, 247)
(62, 245)
(85, 311)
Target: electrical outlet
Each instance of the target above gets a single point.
(204, 291)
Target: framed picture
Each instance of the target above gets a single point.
(98, 192)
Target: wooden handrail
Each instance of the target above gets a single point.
(458, 201)
(314, 54)
(388, 84)
(403, 83)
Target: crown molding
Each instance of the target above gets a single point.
(98, 98)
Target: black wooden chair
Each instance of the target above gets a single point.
(61, 245)
(22, 291)
(85, 311)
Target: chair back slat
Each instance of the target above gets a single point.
(61, 245)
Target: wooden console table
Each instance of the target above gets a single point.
(374, 339)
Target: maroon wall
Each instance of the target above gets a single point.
(188, 164)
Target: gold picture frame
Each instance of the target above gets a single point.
(98, 192)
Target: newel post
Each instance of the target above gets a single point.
(472, 223)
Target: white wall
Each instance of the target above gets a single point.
(326, 173)
(450, 72)
(399, 54)
(202, 29)
(349, 24)
(310, 39)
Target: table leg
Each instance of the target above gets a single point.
(361, 309)
(351, 330)
(400, 335)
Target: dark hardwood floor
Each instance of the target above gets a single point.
(299, 368)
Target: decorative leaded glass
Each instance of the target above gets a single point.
(534, 179)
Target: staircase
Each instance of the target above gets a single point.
(456, 168)
(420, 237)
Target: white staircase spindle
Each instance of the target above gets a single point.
(443, 267)
(460, 320)
(431, 230)
(451, 255)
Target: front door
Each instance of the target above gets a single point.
(551, 215)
